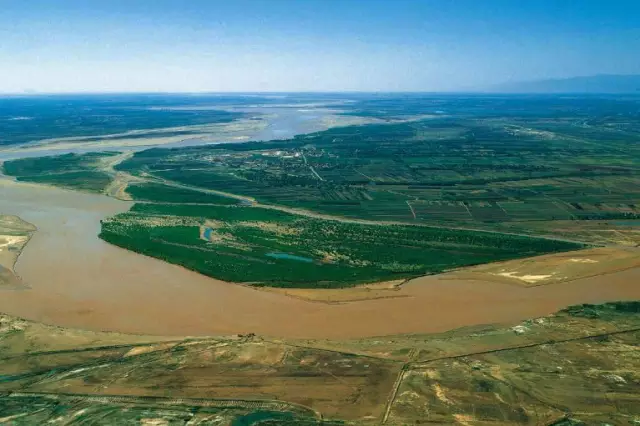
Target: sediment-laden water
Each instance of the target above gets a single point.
(77, 280)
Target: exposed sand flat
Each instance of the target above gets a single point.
(531, 279)
(14, 235)
(79, 281)
(555, 268)
(9, 240)
(381, 290)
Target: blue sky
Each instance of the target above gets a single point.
(310, 45)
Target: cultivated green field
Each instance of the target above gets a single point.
(73, 171)
(167, 194)
(489, 172)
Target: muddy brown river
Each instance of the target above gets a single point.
(77, 280)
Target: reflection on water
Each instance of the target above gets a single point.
(207, 233)
(285, 123)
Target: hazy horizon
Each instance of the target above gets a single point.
(270, 46)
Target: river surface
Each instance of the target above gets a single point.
(77, 280)
(281, 123)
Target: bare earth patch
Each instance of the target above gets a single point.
(555, 268)
(529, 279)
(14, 235)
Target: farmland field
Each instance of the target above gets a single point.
(464, 168)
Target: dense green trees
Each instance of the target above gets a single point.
(343, 253)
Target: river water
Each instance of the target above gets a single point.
(79, 281)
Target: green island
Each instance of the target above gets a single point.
(271, 247)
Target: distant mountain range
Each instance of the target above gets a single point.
(604, 83)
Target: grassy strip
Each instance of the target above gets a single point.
(79, 180)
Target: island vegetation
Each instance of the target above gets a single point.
(270, 247)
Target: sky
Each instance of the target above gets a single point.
(309, 45)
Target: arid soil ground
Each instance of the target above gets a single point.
(570, 366)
